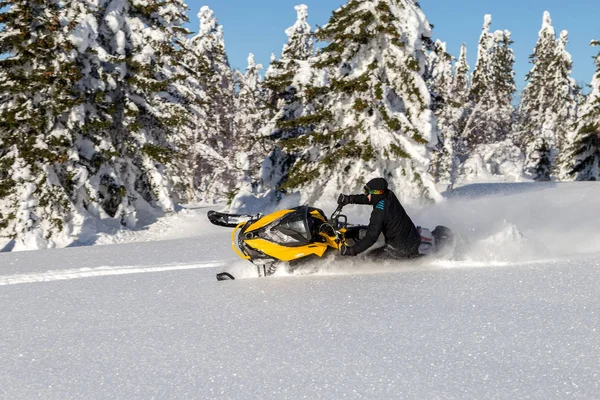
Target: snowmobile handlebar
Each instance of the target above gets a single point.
(336, 216)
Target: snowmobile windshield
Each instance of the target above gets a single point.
(293, 230)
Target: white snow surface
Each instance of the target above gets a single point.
(143, 317)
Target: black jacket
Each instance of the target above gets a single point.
(390, 218)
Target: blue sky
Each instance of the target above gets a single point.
(258, 26)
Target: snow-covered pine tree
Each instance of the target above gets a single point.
(585, 151)
(91, 119)
(368, 113)
(565, 104)
(189, 140)
(482, 72)
(440, 80)
(548, 104)
(486, 138)
(212, 80)
(279, 78)
(300, 44)
(140, 40)
(460, 100)
(285, 77)
(460, 82)
(249, 119)
(503, 85)
(566, 99)
(492, 89)
(534, 112)
(36, 81)
(284, 94)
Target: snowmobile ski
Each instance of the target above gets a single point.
(230, 220)
(225, 276)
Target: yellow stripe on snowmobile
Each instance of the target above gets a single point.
(239, 253)
(284, 253)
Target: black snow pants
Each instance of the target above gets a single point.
(388, 252)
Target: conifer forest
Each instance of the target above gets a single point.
(112, 108)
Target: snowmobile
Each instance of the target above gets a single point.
(294, 236)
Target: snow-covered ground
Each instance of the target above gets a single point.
(518, 317)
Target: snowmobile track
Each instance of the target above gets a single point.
(67, 274)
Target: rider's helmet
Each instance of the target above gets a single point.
(377, 188)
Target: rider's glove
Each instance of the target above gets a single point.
(347, 250)
(343, 200)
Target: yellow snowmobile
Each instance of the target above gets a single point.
(291, 237)
(285, 237)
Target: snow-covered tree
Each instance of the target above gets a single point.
(584, 154)
(140, 40)
(535, 131)
(460, 100)
(566, 103)
(284, 94)
(300, 44)
(461, 84)
(481, 79)
(249, 119)
(284, 77)
(567, 93)
(488, 147)
(368, 112)
(492, 89)
(548, 103)
(86, 128)
(440, 81)
(36, 83)
(212, 80)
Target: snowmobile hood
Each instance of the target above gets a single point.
(377, 184)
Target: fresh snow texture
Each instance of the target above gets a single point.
(517, 317)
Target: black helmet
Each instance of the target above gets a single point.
(377, 188)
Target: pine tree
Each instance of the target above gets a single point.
(371, 116)
(213, 82)
(190, 142)
(141, 41)
(539, 144)
(285, 85)
(97, 139)
(487, 145)
(460, 99)
(460, 83)
(481, 74)
(548, 105)
(543, 165)
(585, 151)
(440, 79)
(492, 89)
(566, 103)
(452, 118)
(36, 83)
(282, 78)
(300, 44)
(249, 120)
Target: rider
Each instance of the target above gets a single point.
(402, 238)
